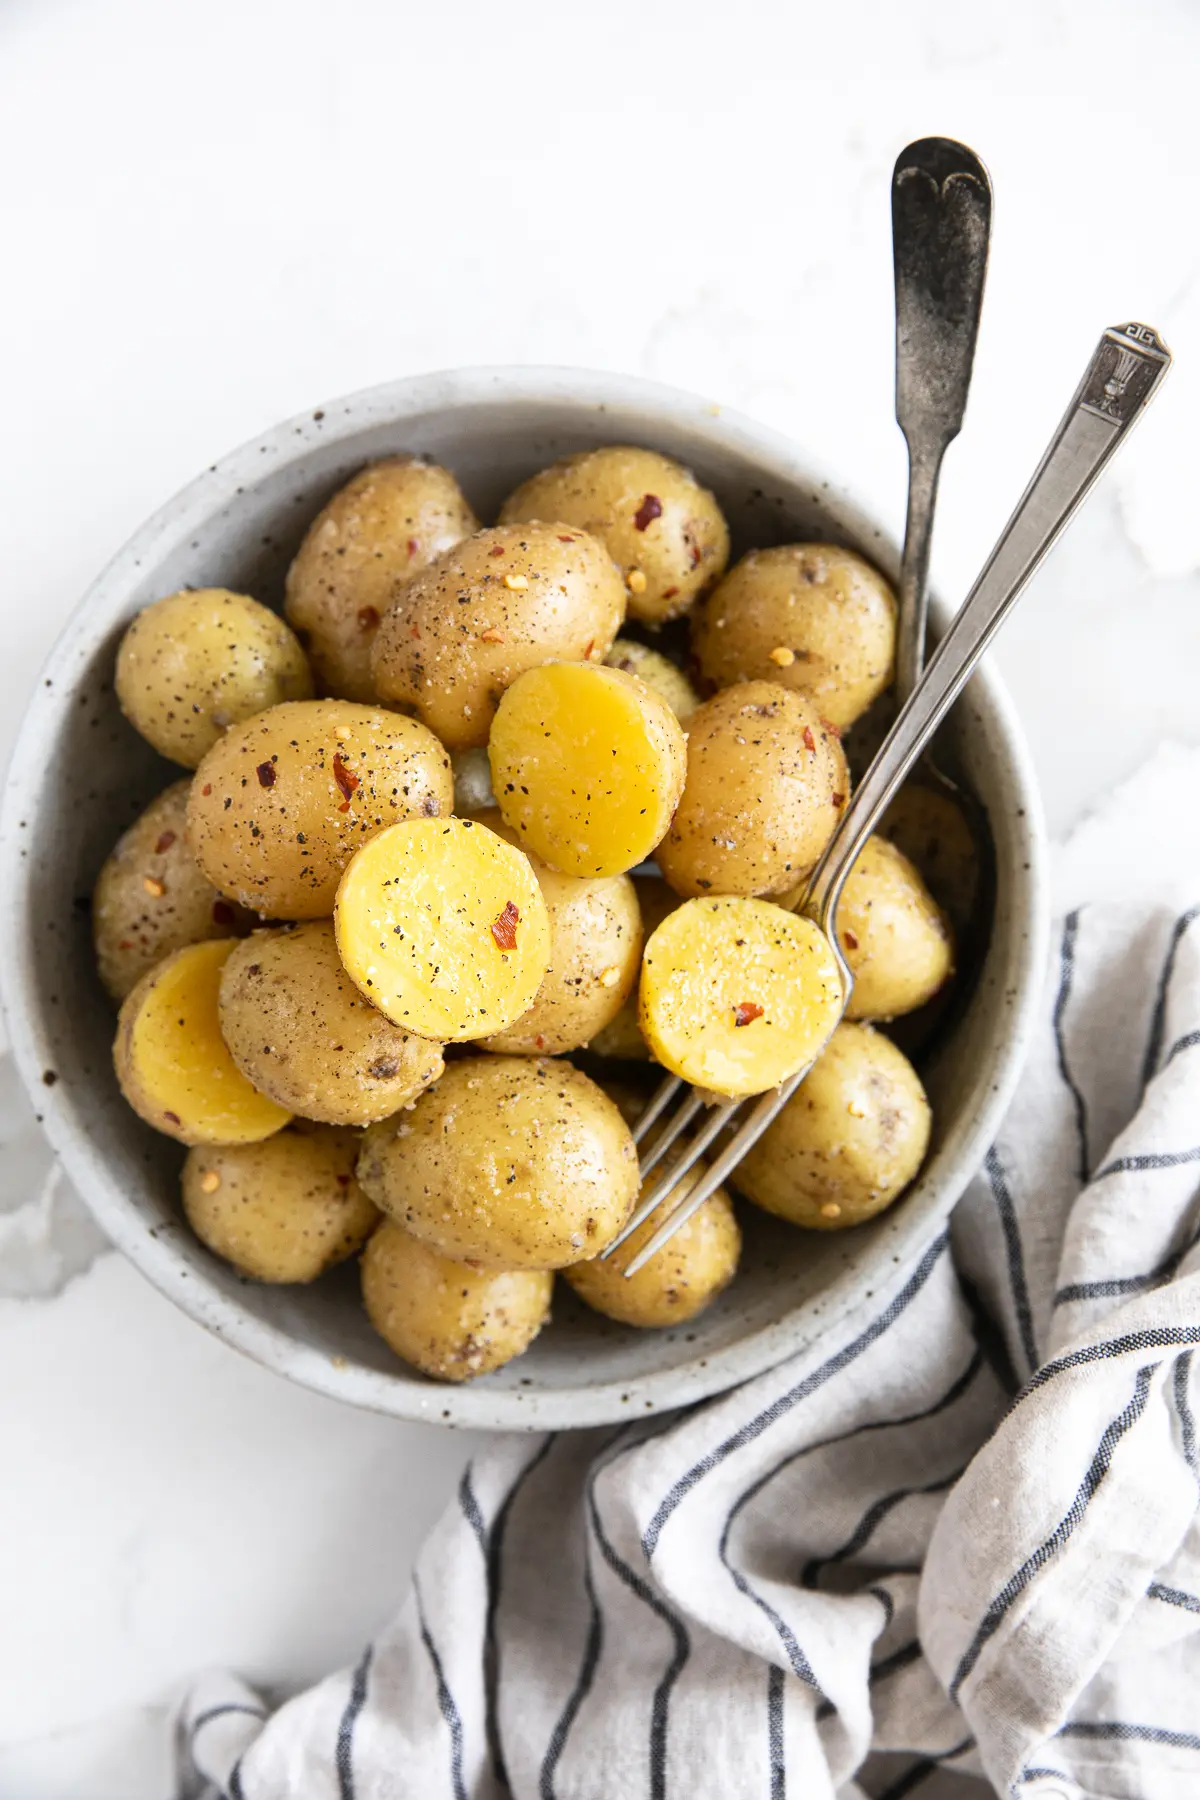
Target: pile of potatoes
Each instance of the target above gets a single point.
(456, 818)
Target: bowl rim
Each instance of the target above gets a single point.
(403, 1394)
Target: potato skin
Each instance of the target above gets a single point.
(512, 1162)
(393, 518)
(897, 940)
(681, 1280)
(281, 1211)
(814, 618)
(452, 1320)
(279, 806)
(298, 1028)
(849, 1140)
(663, 530)
(658, 672)
(766, 784)
(150, 897)
(503, 601)
(933, 831)
(595, 953)
(196, 662)
(622, 1039)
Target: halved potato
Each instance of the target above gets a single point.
(301, 1031)
(452, 1320)
(685, 1275)
(736, 995)
(848, 1142)
(443, 926)
(282, 1210)
(393, 518)
(281, 804)
(587, 767)
(172, 1062)
(196, 662)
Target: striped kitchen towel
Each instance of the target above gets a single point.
(955, 1544)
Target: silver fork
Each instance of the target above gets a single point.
(1126, 368)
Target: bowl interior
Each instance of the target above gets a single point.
(80, 775)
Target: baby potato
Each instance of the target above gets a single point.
(443, 927)
(850, 1139)
(151, 898)
(812, 617)
(933, 831)
(299, 1029)
(452, 1320)
(595, 953)
(472, 782)
(736, 995)
(172, 1062)
(283, 1210)
(766, 783)
(505, 600)
(623, 1037)
(681, 1280)
(514, 1162)
(663, 530)
(395, 517)
(587, 767)
(199, 661)
(896, 938)
(658, 672)
(282, 802)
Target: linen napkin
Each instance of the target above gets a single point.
(955, 1544)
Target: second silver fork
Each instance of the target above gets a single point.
(1126, 368)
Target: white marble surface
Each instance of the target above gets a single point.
(218, 213)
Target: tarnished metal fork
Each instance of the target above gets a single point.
(1126, 368)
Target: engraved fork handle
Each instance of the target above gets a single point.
(1126, 368)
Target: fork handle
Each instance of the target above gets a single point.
(1126, 368)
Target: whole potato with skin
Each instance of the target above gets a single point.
(513, 1162)
(197, 662)
(896, 937)
(766, 784)
(395, 517)
(299, 1029)
(452, 1320)
(279, 806)
(503, 601)
(933, 831)
(685, 1275)
(658, 672)
(595, 952)
(283, 1210)
(151, 898)
(663, 530)
(848, 1142)
(622, 1039)
(811, 617)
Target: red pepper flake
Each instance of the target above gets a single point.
(647, 512)
(125, 944)
(540, 1041)
(747, 1012)
(504, 929)
(831, 730)
(849, 939)
(590, 648)
(414, 631)
(414, 546)
(694, 551)
(164, 843)
(562, 540)
(368, 618)
(498, 549)
(266, 774)
(810, 742)
(222, 913)
(174, 1118)
(491, 636)
(206, 790)
(670, 593)
(343, 1181)
(838, 799)
(347, 782)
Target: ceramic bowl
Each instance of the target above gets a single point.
(80, 774)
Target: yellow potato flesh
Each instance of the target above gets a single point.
(709, 965)
(424, 919)
(172, 1062)
(588, 765)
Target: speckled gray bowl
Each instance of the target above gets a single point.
(79, 774)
